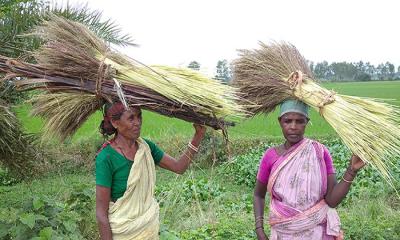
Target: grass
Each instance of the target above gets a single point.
(228, 214)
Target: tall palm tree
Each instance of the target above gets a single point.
(18, 17)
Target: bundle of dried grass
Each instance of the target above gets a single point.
(276, 72)
(76, 62)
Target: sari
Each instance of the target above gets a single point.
(297, 186)
(136, 214)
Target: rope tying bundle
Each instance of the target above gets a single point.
(296, 79)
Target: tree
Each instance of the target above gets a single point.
(16, 18)
(194, 65)
(382, 71)
(21, 16)
(370, 70)
(323, 70)
(224, 73)
(391, 71)
(398, 73)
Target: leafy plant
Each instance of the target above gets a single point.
(45, 218)
(243, 168)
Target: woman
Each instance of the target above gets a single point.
(301, 180)
(125, 175)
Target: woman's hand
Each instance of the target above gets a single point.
(179, 166)
(356, 163)
(200, 130)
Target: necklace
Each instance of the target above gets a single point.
(123, 152)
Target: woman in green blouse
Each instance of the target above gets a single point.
(125, 175)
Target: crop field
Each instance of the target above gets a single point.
(212, 200)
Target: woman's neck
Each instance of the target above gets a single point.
(288, 144)
(124, 142)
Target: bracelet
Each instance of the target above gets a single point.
(259, 220)
(191, 146)
(346, 180)
(262, 227)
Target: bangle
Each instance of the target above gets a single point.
(346, 180)
(191, 146)
(262, 227)
(259, 220)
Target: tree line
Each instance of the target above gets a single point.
(324, 71)
(354, 71)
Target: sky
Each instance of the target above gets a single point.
(176, 32)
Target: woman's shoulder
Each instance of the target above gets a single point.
(270, 153)
(148, 141)
(319, 144)
(104, 153)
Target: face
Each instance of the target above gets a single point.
(129, 124)
(293, 126)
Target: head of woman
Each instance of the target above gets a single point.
(120, 121)
(293, 119)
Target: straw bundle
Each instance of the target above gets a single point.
(74, 60)
(276, 72)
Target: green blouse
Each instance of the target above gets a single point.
(112, 168)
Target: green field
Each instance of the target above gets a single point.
(212, 200)
(156, 126)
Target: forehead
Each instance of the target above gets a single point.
(133, 111)
(293, 115)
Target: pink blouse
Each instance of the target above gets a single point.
(270, 157)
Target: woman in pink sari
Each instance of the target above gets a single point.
(301, 181)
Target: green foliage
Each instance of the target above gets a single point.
(104, 29)
(17, 149)
(45, 218)
(213, 149)
(17, 17)
(353, 71)
(244, 203)
(243, 168)
(370, 218)
(9, 95)
(224, 229)
(194, 65)
(21, 16)
(6, 179)
(199, 189)
(224, 73)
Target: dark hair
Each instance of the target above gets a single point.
(110, 112)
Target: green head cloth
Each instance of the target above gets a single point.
(294, 106)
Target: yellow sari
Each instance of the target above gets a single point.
(135, 214)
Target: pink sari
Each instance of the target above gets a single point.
(297, 185)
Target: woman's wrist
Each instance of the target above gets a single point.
(350, 170)
(349, 175)
(196, 140)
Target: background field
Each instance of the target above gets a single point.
(212, 200)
